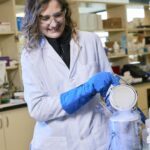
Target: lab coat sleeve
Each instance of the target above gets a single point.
(41, 106)
(101, 55)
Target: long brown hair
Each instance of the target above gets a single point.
(30, 25)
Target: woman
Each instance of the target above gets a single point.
(64, 72)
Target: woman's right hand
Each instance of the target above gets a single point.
(102, 81)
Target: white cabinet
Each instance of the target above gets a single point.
(2, 144)
(16, 128)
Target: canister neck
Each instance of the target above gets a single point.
(124, 116)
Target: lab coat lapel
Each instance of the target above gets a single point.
(50, 52)
(75, 49)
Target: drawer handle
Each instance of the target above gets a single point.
(7, 122)
(1, 124)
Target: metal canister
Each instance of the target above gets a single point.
(124, 124)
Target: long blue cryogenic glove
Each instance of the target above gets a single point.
(74, 99)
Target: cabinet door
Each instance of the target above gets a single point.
(2, 143)
(18, 129)
(142, 97)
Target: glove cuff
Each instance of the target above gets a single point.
(74, 99)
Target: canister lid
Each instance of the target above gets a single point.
(123, 97)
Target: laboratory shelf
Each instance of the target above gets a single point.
(106, 30)
(11, 67)
(138, 29)
(117, 56)
(6, 33)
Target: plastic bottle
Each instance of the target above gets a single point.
(124, 43)
(116, 47)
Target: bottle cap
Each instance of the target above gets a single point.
(123, 97)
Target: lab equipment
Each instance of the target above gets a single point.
(73, 99)
(124, 42)
(125, 123)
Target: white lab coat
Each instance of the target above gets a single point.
(45, 77)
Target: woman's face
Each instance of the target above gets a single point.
(52, 20)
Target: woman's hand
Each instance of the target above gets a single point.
(102, 81)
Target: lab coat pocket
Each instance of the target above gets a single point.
(52, 143)
(57, 143)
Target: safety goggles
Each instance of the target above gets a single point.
(57, 17)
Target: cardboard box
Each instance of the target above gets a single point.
(90, 22)
(112, 23)
(100, 23)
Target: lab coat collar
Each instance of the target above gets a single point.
(75, 48)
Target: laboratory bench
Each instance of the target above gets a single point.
(16, 126)
(13, 104)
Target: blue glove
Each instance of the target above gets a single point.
(74, 99)
(102, 81)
